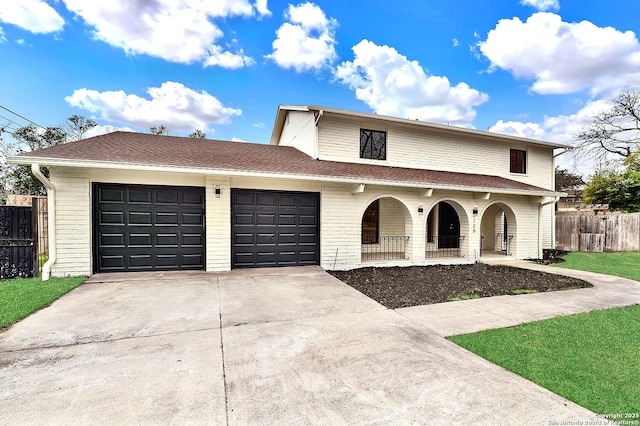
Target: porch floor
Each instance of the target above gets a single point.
(494, 255)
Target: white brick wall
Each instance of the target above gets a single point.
(548, 226)
(73, 222)
(340, 217)
(392, 217)
(218, 224)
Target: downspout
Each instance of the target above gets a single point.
(544, 203)
(51, 219)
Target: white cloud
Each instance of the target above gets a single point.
(307, 41)
(393, 85)
(542, 4)
(175, 30)
(229, 60)
(262, 8)
(519, 128)
(564, 57)
(103, 130)
(35, 16)
(455, 42)
(172, 104)
(2, 37)
(235, 139)
(560, 128)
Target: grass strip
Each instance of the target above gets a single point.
(21, 297)
(590, 359)
(623, 264)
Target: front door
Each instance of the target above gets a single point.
(448, 226)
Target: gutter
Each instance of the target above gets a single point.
(51, 206)
(552, 201)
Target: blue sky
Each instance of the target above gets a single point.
(533, 68)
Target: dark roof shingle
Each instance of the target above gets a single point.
(181, 152)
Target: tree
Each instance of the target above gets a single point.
(159, 130)
(22, 181)
(198, 134)
(34, 139)
(18, 179)
(614, 133)
(76, 126)
(566, 180)
(619, 189)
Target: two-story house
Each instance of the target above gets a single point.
(335, 188)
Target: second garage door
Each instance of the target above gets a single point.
(274, 228)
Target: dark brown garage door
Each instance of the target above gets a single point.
(274, 228)
(148, 228)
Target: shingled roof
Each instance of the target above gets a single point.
(141, 151)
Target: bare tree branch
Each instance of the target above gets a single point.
(615, 131)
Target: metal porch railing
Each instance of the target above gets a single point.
(387, 247)
(444, 246)
(505, 243)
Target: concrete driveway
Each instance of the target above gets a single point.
(276, 346)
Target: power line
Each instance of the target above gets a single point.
(10, 120)
(8, 128)
(18, 115)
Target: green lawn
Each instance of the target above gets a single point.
(21, 297)
(590, 359)
(625, 264)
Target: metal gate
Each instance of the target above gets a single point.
(17, 254)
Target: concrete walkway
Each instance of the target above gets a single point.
(276, 346)
(470, 316)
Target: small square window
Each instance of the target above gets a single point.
(373, 144)
(518, 163)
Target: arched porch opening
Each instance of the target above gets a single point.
(385, 229)
(498, 231)
(444, 236)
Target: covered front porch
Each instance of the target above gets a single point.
(388, 232)
(451, 229)
(498, 230)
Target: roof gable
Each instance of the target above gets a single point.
(415, 124)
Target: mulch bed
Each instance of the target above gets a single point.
(400, 287)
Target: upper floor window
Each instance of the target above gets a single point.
(373, 144)
(518, 163)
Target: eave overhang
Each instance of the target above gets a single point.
(96, 164)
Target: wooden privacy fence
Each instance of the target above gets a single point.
(612, 232)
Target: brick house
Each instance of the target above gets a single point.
(335, 188)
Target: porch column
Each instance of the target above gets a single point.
(418, 238)
(473, 236)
